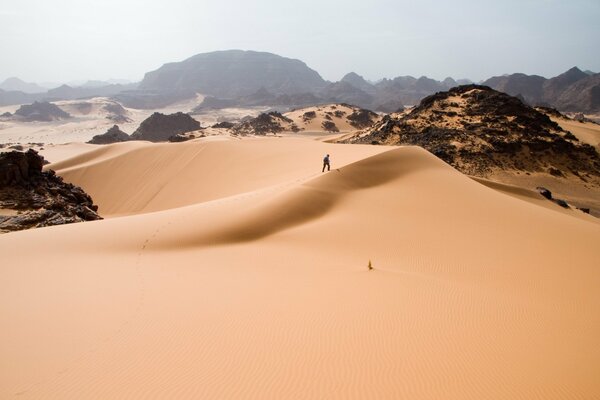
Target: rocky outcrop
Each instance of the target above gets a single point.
(362, 118)
(32, 198)
(40, 111)
(479, 130)
(272, 122)
(113, 135)
(160, 127)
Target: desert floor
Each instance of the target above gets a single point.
(235, 269)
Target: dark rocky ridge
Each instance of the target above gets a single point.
(113, 135)
(478, 130)
(39, 198)
(160, 127)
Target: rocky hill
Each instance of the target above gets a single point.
(322, 118)
(160, 127)
(265, 123)
(233, 74)
(40, 111)
(31, 198)
(113, 135)
(479, 130)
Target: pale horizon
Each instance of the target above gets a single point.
(66, 40)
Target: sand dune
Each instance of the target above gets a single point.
(249, 279)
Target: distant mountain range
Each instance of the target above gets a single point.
(573, 90)
(249, 78)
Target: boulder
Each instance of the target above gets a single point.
(544, 192)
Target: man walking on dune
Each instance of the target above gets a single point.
(326, 163)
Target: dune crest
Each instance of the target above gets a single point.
(238, 270)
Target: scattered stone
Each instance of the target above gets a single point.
(562, 203)
(544, 192)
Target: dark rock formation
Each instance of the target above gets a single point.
(272, 122)
(362, 118)
(224, 124)
(38, 198)
(40, 111)
(329, 126)
(160, 127)
(479, 130)
(113, 135)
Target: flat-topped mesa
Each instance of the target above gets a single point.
(160, 127)
(477, 130)
(36, 198)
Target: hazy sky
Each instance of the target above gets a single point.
(64, 40)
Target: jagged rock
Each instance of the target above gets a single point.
(113, 135)
(39, 198)
(544, 192)
(6, 115)
(160, 127)
(562, 203)
(40, 111)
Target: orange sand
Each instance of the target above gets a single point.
(244, 275)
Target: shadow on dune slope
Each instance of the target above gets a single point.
(313, 199)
